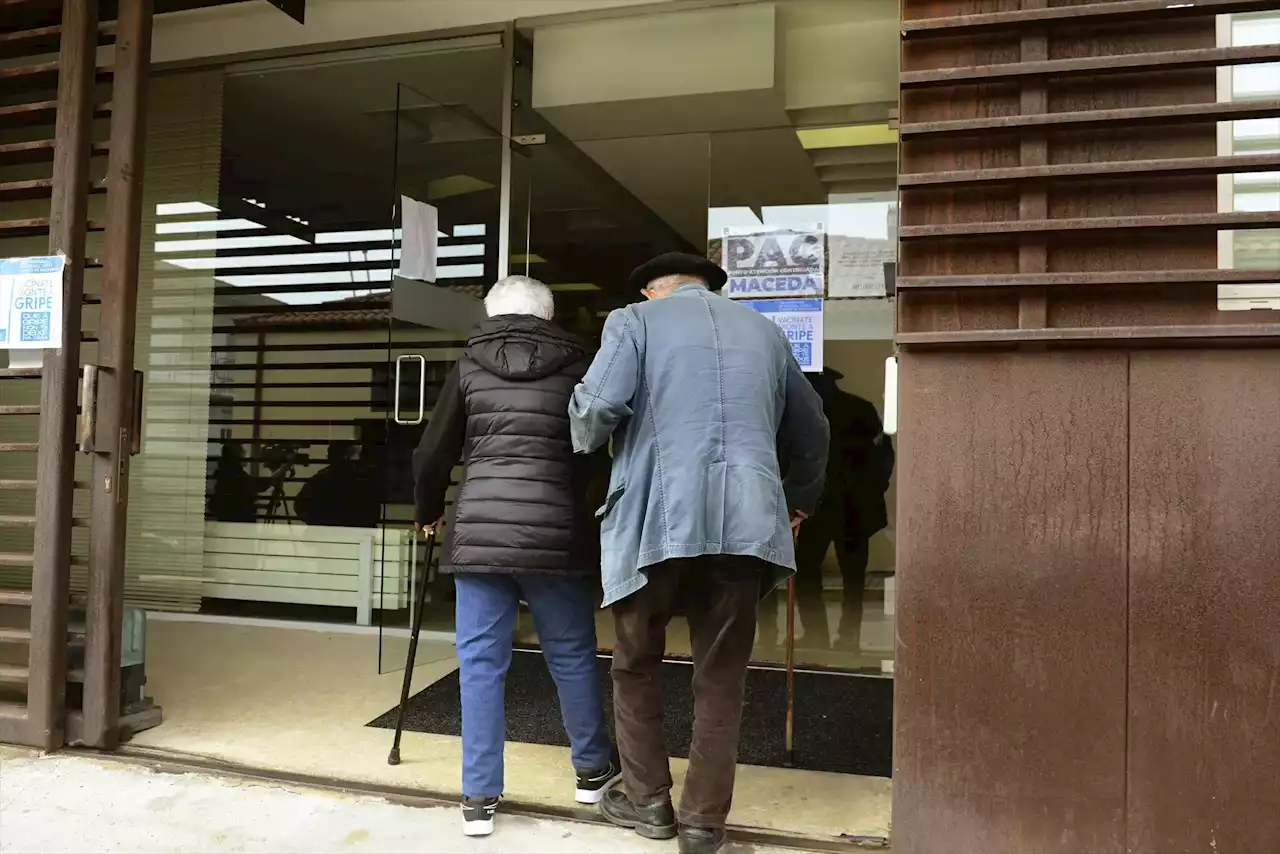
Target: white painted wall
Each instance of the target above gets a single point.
(708, 51)
(851, 57)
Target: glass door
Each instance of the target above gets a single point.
(446, 204)
(588, 205)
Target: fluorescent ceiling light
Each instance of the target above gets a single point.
(533, 258)
(197, 226)
(292, 259)
(370, 235)
(330, 277)
(215, 244)
(184, 209)
(472, 230)
(460, 250)
(847, 136)
(318, 297)
(575, 286)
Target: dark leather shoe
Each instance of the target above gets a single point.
(652, 821)
(701, 840)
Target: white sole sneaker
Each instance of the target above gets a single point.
(477, 828)
(477, 818)
(595, 796)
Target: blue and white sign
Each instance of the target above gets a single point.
(801, 319)
(779, 262)
(31, 303)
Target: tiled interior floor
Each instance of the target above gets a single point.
(296, 700)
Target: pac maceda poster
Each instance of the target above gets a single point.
(774, 262)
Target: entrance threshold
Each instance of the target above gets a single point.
(174, 762)
(298, 703)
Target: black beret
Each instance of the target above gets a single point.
(679, 263)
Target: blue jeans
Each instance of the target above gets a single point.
(564, 613)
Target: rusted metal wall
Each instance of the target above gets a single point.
(1088, 658)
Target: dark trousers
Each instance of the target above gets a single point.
(720, 596)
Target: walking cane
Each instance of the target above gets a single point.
(419, 607)
(789, 742)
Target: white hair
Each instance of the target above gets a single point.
(675, 280)
(520, 295)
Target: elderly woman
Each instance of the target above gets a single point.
(521, 530)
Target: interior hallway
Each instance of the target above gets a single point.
(296, 701)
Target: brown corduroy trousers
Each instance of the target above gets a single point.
(720, 596)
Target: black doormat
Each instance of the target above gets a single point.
(842, 723)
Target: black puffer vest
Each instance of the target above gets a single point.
(522, 505)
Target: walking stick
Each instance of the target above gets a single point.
(789, 741)
(419, 607)
(791, 673)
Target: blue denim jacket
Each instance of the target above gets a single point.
(698, 393)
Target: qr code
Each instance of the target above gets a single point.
(35, 326)
(803, 352)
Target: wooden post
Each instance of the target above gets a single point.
(116, 381)
(55, 478)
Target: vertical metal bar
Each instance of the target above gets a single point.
(105, 609)
(508, 108)
(50, 580)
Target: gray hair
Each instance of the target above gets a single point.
(520, 295)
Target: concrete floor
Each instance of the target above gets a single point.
(76, 804)
(297, 701)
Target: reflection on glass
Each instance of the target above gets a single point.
(1254, 249)
(270, 339)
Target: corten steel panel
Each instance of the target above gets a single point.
(1018, 120)
(1009, 731)
(1061, 194)
(1204, 625)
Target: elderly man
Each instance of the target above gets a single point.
(696, 393)
(521, 530)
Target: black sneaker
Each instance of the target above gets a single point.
(477, 816)
(591, 784)
(652, 821)
(701, 840)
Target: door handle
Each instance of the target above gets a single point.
(88, 409)
(890, 396)
(422, 390)
(135, 440)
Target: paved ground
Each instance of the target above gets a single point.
(77, 804)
